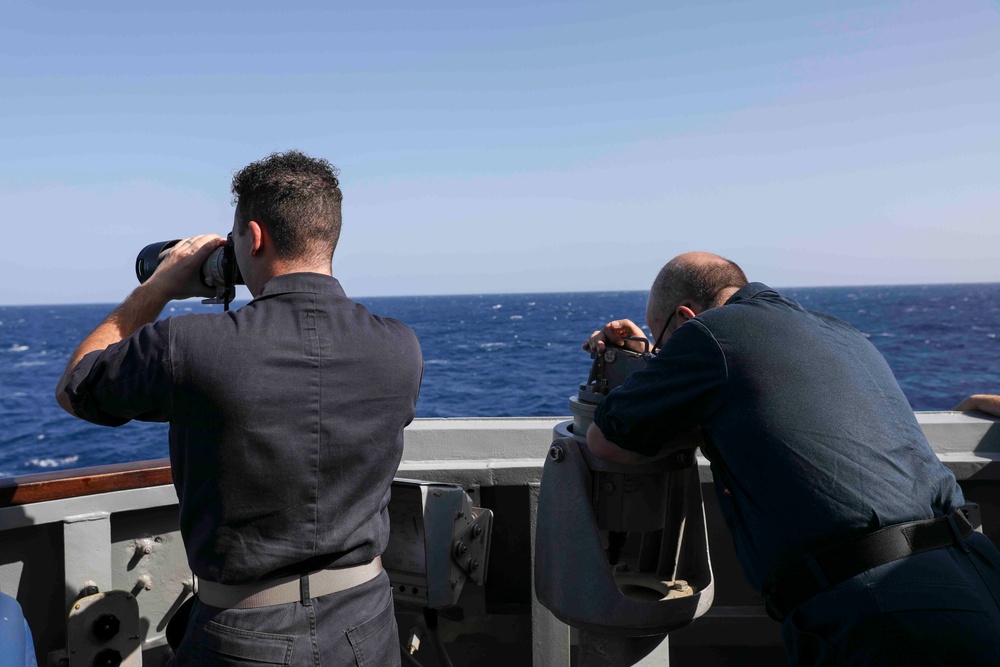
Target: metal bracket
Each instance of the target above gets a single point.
(471, 547)
(104, 629)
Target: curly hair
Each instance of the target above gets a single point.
(296, 198)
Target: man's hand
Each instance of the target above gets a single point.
(614, 334)
(179, 275)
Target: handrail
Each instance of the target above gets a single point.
(437, 440)
(26, 489)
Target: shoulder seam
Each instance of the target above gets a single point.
(725, 362)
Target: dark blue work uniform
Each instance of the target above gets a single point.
(286, 429)
(812, 443)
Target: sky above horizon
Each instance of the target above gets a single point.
(511, 147)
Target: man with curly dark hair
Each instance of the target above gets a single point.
(286, 428)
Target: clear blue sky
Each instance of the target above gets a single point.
(511, 146)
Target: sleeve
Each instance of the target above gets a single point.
(131, 379)
(679, 389)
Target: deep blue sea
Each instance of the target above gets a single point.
(496, 355)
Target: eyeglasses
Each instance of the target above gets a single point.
(656, 345)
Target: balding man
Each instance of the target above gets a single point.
(841, 514)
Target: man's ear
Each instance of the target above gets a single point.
(259, 237)
(685, 311)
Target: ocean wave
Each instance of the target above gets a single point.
(491, 346)
(22, 364)
(498, 306)
(516, 317)
(14, 347)
(435, 362)
(52, 462)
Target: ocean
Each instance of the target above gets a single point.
(495, 355)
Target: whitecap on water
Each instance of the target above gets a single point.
(435, 362)
(23, 364)
(490, 346)
(516, 317)
(14, 347)
(498, 306)
(52, 462)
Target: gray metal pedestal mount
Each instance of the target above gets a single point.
(621, 551)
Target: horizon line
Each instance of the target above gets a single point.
(519, 293)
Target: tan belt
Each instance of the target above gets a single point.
(286, 589)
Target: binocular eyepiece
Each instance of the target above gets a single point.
(220, 270)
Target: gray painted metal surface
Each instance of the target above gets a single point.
(46, 553)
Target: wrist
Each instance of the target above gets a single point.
(154, 291)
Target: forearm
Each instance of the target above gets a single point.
(601, 447)
(140, 308)
(988, 403)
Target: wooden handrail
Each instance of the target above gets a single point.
(39, 487)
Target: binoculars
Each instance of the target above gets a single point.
(620, 550)
(220, 270)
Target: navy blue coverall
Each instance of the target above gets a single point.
(812, 443)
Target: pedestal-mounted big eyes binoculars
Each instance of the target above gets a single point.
(620, 550)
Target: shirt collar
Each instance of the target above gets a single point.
(748, 291)
(316, 283)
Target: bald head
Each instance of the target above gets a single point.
(698, 279)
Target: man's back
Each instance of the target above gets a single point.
(814, 406)
(294, 417)
(287, 421)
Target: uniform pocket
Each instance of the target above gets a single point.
(927, 595)
(376, 642)
(930, 623)
(217, 644)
